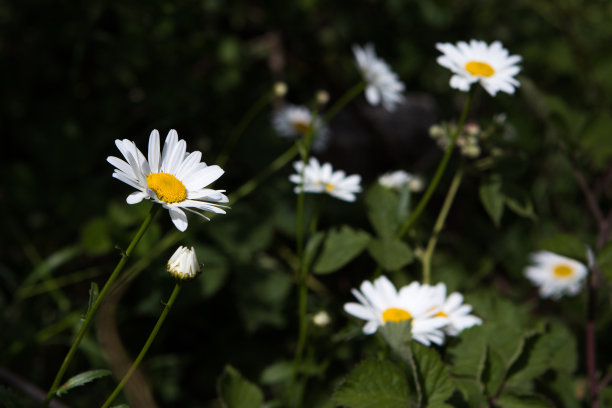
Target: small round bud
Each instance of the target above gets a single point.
(280, 89)
(322, 97)
(321, 319)
(183, 264)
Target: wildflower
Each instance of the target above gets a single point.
(175, 179)
(322, 179)
(397, 180)
(468, 139)
(183, 264)
(381, 302)
(556, 275)
(382, 84)
(490, 65)
(452, 307)
(293, 121)
(321, 319)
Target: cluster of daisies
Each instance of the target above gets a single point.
(431, 313)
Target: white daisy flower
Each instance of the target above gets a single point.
(478, 62)
(397, 180)
(381, 302)
(322, 179)
(175, 178)
(183, 264)
(556, 275)
(383, 84)
(292, 121)
(452, 307)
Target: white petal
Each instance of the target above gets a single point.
(154, 155)
(136, 197)
(178, 218)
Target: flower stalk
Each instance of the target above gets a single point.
(92, 311)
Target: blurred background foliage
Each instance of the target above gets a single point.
(78, 75)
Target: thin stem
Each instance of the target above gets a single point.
(147, 345)
(440, 170)
(343, 101)
(89, 317)
(242, 125)
(431, 245)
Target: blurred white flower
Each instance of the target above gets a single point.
(382, 84)
(397, 180)
(175, 178)
(183, 264)
(322, 179)
(490, 65)
(381, 302)
(452, 307)
(293, 122)
(321, 318)
(555, 275)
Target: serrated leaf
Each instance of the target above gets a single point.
(237, 392)
(566, 245)
(492, 198)
(494, 372)
(383, 210)
(340, 247)
(390, 254)
(81, 379)
(472, 391)
(434, 374)
(374, 384)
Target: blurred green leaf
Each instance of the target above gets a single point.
(81, 379)
(492, 198)
(399, 335)
(507, 400)
(391, 254)
(340, 247)
(237, 392)
(494, 372)
(215, 269)
(595, 141)
(383, 207)
(312, 246)
(278, 372)
(374, 384)
(604, 260)
(566, 245)
(435, 376)
(95, 236)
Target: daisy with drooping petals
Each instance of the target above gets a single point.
(183, 264)
(292, 121)
(175, 178)
(380, 302)
(382, 84)
(452, 307)
(556, 275)
(322, 179)
(490, 65)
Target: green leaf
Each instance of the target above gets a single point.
(604, 260)
(374, 384)
(278, 372)
(398, 335)
(494, 372)
(507, 400)
(340, 247)
(95, 236)
(80, 379)
(566, 245)
(215, 270)
(492, 198)
(237, 392)
(383, 210)
(595, 141)
(313, 244)
(390, 254)
(521, 206)
(434, 374)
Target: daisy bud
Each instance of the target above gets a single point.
(322, 97)
(321, 319)
(280, 89)
(183, 264)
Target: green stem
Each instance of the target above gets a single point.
(91, 312)
(440, 170)
(242, 125)
(431, 245)
(343, 101)
(147, 345)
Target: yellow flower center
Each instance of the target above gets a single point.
(167, 187)
(440, 314)
(478, 68)
(394, 314)
(301, 127)
(563, 271)
(329, 187)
